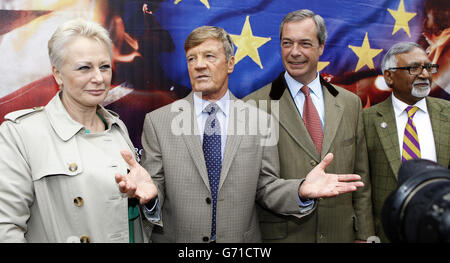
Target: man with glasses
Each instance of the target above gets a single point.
(407, 125)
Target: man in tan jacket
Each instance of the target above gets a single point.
(334, 126)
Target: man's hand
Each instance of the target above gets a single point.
(320, 184)
(137, 183)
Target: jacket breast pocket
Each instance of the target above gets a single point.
(57, 182)
(348, 141)
(58, 159)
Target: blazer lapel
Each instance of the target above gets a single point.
(294, 125)
(333, 116)
(233, 140)
(439, 124)
(193, 143)
(386, 128)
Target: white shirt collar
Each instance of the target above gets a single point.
(400, 106)
(294, 86)
(200, 104)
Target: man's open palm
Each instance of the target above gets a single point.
(137, 183)
(320, 184)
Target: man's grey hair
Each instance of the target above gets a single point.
(304, 14)
(203, 33)
(389, 60)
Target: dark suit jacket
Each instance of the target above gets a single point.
(383, 148)
(340, 219)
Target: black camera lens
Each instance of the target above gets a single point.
(419, 209)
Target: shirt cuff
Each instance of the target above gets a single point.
(306, 205)
(151, 205)
(151, 212)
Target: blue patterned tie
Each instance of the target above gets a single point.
(213, 159)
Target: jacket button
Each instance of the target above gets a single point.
(208, 200)
(205, 239)
(73, 167)
(85, 239)
(78, 201)
(313, 163)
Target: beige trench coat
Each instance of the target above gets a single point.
(57, 182)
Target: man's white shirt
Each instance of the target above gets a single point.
(423, 126)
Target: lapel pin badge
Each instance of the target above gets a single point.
(383, 125)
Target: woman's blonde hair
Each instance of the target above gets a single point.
(75, 28)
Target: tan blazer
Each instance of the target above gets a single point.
(57, 183)
(383, 148)
(339, 219)
(249, 173)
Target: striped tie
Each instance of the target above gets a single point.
(411, 147)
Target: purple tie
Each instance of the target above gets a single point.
(411, 146)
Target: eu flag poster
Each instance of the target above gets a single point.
(150, 67)
(359, 34)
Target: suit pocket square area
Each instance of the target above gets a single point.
(348, 141)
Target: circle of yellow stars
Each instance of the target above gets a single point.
(247, 44)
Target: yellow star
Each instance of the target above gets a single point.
(401, 18)
(365, 54)
(205, 2)
(247, 44)
(321, 65)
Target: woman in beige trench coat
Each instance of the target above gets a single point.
(58, 163)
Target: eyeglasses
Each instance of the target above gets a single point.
(417, 70)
